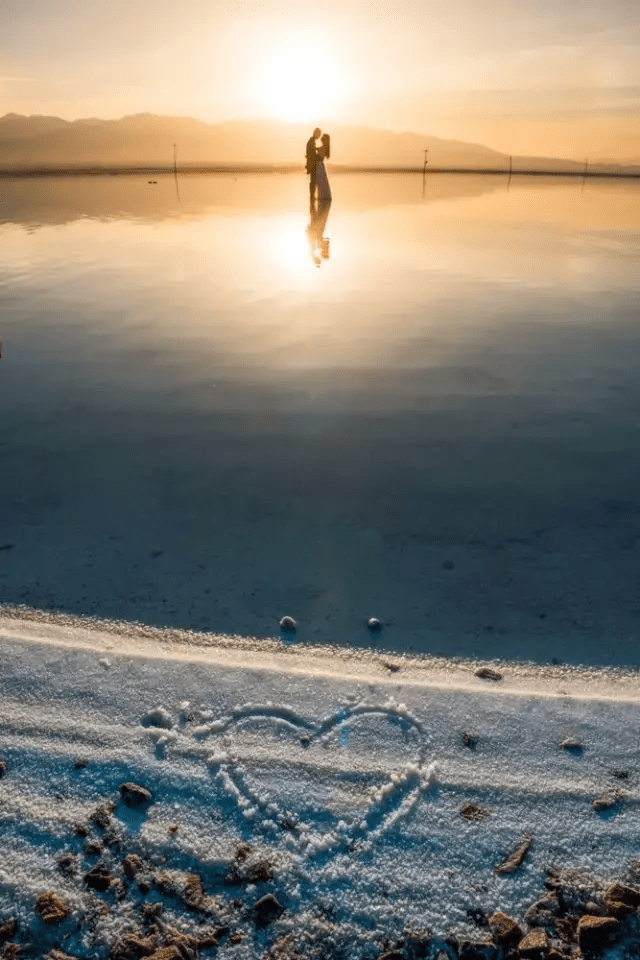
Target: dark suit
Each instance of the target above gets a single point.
(311, 165)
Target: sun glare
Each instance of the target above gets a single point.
(289, 90)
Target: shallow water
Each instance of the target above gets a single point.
(437, 425)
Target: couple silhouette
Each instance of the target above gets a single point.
(316, 155)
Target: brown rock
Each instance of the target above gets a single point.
(594, 933)
(3, 769)
(8, 930)
(98, 878)
(82, 830)
(621, 893)
(59, 955)
(543, 912)
(534, 946)
(134, 795)
(167, 953)
(504, 929)
(266, 910)
(93, 848)
(471, 811)
(52, 908)
(486, 673)
(101, 816)
(608, 800)
(617, 909)
(392, 955)
(469, 740)
(12, 951)
(236, 938)
(131, 947)
(514, 860)
(193, 894)
(132, 865)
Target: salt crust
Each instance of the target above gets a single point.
(348, 779)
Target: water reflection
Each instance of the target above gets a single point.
(318, 243)
(199, 428)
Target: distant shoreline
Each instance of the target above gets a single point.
(284, 168)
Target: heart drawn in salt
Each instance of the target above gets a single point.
(337, 784)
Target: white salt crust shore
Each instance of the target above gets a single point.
(345, 771)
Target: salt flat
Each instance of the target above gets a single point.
(333, 780)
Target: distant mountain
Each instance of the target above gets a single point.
(147, 140)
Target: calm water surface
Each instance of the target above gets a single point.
(212, 417)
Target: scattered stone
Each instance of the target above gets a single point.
(486, 673)
(514, 860)
(193, 894)
(392, 955)
(130, 947)
(246, 870)
(594, 933)
(101, 816)
(471, 811)
(288, 624)
(534, 946)
(82, 830)
(8, 930)
(134, 795)
(567, 929)
(171, 952)
(3, 769)
(173, 828)
(374, 624)
(12, 951)
(622, 893)
(469, 740)
(573, 745)
(266, 910)
(236, 938)
(144, 886)
(470, 950)
(543, 913)
(391, 667)
(132, 865)
(504, 929)
(620, 774)
(98, 878)
(93, 848)
(67, 864)
(52, 908)
(59, 955)
(80, 763)
(608, 800)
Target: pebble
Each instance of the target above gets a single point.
(288, 624)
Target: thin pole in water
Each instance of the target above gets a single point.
(175, 159)
(424, 170)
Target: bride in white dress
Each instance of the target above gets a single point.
(322, 181)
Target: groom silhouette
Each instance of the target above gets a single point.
(311, 161)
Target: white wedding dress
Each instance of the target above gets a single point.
(322, 181)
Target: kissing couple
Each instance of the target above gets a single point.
(316, 155)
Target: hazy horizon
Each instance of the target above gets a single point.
(549, 79)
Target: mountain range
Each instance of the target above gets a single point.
(148, 140)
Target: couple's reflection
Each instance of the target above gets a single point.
(318, 243)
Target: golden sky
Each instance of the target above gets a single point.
(532, 77)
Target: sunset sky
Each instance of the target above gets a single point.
(550, 77)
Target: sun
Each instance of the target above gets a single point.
(290, 89)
